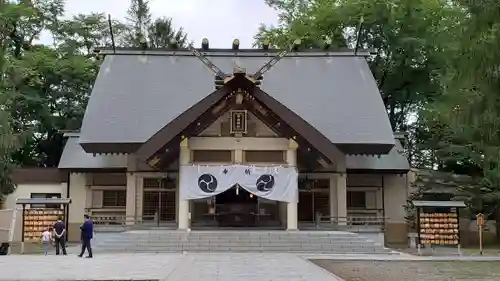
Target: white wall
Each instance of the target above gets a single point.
(78, 194)
(395, 196)
(25, 190)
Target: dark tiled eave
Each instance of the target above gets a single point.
(110, 148)
(365, 149)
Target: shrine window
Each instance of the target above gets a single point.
(114, 198)
(212, 156)
(265, 156)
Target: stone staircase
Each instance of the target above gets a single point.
(165, 241)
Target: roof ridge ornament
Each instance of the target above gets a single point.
(273, 61)
(207, 62)
(237, 68)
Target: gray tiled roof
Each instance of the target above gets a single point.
(134, 96)
(74, 157)
(394, 161)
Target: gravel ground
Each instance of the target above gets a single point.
(412, 270)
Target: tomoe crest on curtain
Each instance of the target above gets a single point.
(207, 183)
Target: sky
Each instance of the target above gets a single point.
(220, 21)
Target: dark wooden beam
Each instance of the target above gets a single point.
(306, 151)
(195, 128)
(294, 121)
(280, 127)
(160, 140)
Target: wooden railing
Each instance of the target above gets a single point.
(121, 222)
(350, 222)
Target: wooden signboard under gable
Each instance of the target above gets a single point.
(238, 121)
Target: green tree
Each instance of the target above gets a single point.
(9, 14)
(82, 33)
(55, 88)
(8, 143)
(410, 37)
(156, 34)
(162, 31)
(55, 80)
(139, 19)
(468, 112)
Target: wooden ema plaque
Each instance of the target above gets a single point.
(36, 221)
(439, 228)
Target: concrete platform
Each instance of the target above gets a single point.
(171, 267)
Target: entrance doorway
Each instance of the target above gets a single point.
(159, 206)
(236, 207)
(314, 197)
(159, 200)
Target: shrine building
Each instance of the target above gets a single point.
(226, 138)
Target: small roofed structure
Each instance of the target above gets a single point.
(446, 204)
(43, 201)
(40, 214)
(438, 223)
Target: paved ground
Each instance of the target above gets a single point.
(171, 267)
(398, 257)
(413, 270)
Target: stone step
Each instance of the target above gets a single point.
(140, 246)
(201, 237)
(311, 241)
(245, 250)
(244, 233)
(241, 250)
(319, 240)
(159, 241)
(291, 243)
(289, 247)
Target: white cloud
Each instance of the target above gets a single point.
(218, 20)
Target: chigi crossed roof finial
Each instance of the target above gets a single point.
(256, 77)
(237, 68)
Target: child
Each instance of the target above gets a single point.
(46, 238)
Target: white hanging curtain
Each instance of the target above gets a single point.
(273, 183)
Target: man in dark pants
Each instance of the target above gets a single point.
(87, 234)
(60, 236)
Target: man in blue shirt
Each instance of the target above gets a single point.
(87, 229)
(60, 236)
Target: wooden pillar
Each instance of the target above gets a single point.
(130, 214)
(291, 207)
(341, 191)
(183, 214)
(341, 198)
(333, 198)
